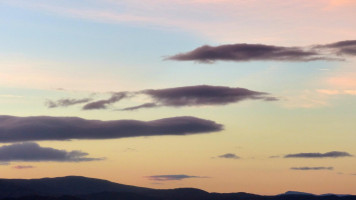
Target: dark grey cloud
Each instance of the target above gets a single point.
(145, 105)
(172, 177)
(201, 95)
(20, 129)
(312, 168)
(331, 154)
(102, 104)
(65, 102)
(23, 167)
(247, 52)
(32, 152)
(250, 52)
(229, 156)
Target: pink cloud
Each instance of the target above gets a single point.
(344, 81)
(336, 92)
(223, 20)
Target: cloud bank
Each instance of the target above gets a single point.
(257, 52)
(20, 129)
(32, 152)
(331, 154)
(178, 177)
(312, 168)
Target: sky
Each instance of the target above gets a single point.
(222, 95)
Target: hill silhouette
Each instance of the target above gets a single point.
(83, 188)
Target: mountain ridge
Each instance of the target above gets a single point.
(84, 188)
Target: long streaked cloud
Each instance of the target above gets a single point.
(19, 129)
(65, 102)
(197, 95)
(311, 168)
(175, 177)
(256, 52)
(229, 156)
(102, 104)
(32, 152)
(331, 154)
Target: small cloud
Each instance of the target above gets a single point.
(172, 177)
(229, 156)
(331, 154)
(32, 152)
(129, 150)
(23, 167)
(312, 168)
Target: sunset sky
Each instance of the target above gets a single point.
(253, 96)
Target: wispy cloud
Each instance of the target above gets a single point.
(102, 104)
(32, 152)
(65, 102)
(145, 105)
(331, 154)
(311, 168)
(175, 177)
(19, 129)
